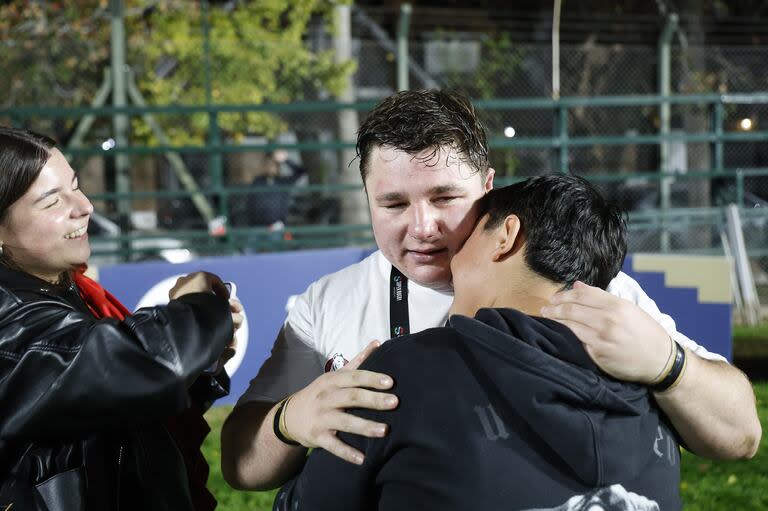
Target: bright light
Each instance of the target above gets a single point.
(176, 255)
(745, 124)
(108, 144)
(509, 132)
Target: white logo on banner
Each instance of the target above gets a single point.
(158, 295)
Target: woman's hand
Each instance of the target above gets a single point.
(236, 308)
(204, 282)
(198, 282)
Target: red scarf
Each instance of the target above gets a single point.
(189, 428)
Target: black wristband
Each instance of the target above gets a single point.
(674, 373)
(276, 425)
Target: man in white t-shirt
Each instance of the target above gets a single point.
(423, 159)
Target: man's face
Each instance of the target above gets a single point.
(422, 209)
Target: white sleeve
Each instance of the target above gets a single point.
(627, 288)
(293, 363)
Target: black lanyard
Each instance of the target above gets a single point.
(398, 304)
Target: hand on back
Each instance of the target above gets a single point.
(620, 337)
(315, 413)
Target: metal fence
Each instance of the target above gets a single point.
(624, 163)
(202, 165)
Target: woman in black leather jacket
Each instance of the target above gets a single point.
(87, 396)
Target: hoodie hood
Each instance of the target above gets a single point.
(549, 383)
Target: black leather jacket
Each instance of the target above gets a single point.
(83, 401)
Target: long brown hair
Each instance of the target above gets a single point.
(23, 154)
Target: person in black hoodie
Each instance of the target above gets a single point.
(516, 415)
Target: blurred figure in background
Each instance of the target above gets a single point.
(269, 208)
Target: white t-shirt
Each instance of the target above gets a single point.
(339, 314)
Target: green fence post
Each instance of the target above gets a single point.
(120, 122)
(215, 166)
(717, 128)
(562, 124)
(402, 46)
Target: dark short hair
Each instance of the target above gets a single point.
(571, 232)
(415, 120)
(23, 154)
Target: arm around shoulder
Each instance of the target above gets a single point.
(713, 406)
(252, 457)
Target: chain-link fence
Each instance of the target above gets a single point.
(493, 66)
(179, 53)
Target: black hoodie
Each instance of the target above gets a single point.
(503, 411)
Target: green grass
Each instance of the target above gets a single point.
(229, 499)
(706, 485)
(750, 342)
(709, 485)
(750, 332)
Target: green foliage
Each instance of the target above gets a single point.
(501, 65)
(706, 485)
(54, 53)
(257, 54)
(502, 61)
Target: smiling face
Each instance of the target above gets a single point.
(422, 209)
(45, 231)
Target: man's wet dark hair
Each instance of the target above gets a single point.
(571, 232)
(416, 120)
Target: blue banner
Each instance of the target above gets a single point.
(266, 283)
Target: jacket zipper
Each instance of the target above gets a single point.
(119, 476)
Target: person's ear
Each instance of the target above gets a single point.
(488, 186)
(509, 238)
